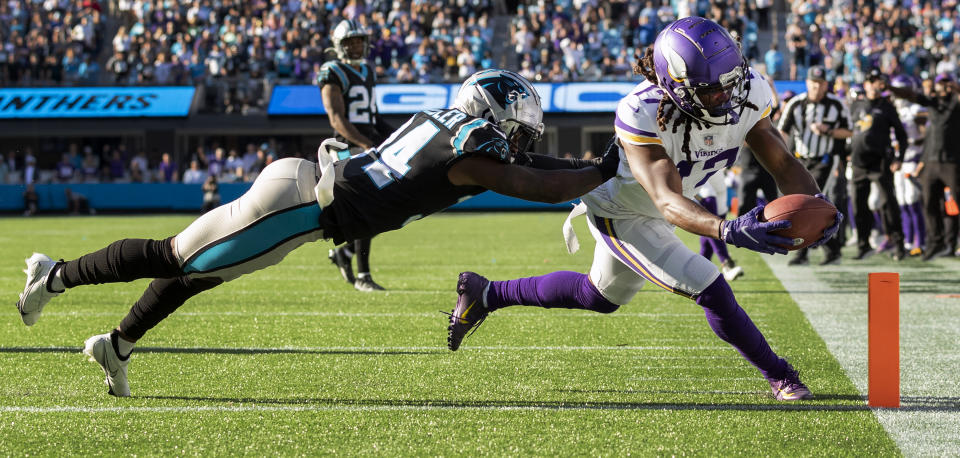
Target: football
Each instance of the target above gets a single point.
(808, 216)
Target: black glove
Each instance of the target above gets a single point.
(609, 161)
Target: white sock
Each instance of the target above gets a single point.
(56, 283)
(124, 346)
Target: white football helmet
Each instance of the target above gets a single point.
(507, 100)
(349, 28)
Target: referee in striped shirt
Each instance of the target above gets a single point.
(818, 123)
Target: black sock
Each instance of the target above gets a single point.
(362, 249)
(122, 261)
(160, 299)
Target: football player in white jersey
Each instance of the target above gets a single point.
(914, 118)
(698, 105)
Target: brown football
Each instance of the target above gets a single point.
(808, 216)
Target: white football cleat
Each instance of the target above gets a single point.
(731, 271)
(100, 349)
(35, 294)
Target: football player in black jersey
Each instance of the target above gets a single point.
(347, 86)
(436, 159)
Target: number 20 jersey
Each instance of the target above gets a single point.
(405, 178)
(711, 150)
(359, 94)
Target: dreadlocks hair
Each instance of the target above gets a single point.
(666, 109)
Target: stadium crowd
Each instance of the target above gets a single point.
(237, 50)
(117, 164)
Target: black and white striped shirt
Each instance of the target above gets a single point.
(800, 113)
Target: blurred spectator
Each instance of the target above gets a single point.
(77, 203)
(12, 165)
(65, 169)
(30, 200)
(211, 194)
(140, 162)
(215, 162)
(194, 175)
(167, 169)
(232, 162)
(91, 166)
(116, 166)
(30, 172)
(4, 171)
(774, 61)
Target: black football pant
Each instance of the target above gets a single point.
(753, 181)
(131, 259)
(820, 169)
(933, 178)
(889, 210)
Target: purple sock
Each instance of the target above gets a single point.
(706, 248)
(731, 323)
(920, 235)
(906, 222)
(720, 248)
(564, 289)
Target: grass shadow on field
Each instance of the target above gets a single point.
(231, 351)
(917, 404)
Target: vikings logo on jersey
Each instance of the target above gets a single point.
(505, 91)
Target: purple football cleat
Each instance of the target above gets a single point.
(790, 388)
(471, 308)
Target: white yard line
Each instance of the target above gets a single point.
(928, 424)
(382, 349)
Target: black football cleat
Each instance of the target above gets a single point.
(366, 284)
(471, 308)
(343, 263)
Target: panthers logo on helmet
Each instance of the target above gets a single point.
(504, 90)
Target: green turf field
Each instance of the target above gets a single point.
(292, 361)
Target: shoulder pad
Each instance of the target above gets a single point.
(481, 138)
(331, 73)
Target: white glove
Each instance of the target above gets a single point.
(326, 154)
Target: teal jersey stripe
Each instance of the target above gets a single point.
(340, 74)
(464, 134)
(257, 239)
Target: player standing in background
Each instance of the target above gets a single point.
(687, 121)
(347, 85)
(914, 119)
(873, 161)
(713, 196)
(434, 160)
(941, 162)
(817, 122)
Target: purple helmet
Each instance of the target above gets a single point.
(904, 81)
(700, 67)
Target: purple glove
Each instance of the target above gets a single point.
(830, 231)
(749, 232)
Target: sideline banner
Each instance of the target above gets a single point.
(594, 97)
(96, 102)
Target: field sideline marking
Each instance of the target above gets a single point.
(415, 407)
